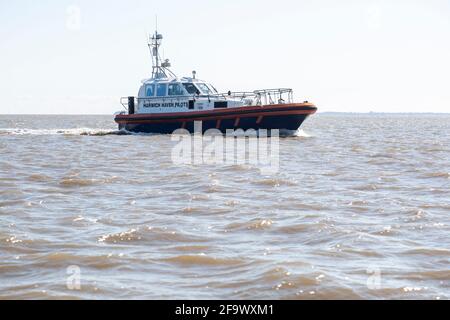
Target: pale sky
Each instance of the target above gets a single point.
(81, 56)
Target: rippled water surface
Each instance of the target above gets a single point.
(360, 209)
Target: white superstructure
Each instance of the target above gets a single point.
(164, 92)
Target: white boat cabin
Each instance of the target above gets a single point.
(177, 95)
(164, 92)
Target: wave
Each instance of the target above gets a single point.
(295, 228)
(427, 274)
(75, 181)
(148, 234)
(302, 134)
(61, 131)
(107, 131)
(433, 175)
(203, 260)
(96, 132)
(276, 182)
(250, 225)
(440, 252)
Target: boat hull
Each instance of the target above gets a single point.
(287, 117)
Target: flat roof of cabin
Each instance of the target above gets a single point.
(172, 80)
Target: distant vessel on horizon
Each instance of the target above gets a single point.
(166, 103)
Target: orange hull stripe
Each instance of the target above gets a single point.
(231, 110)
(252, 115)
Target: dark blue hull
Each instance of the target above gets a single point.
(283, 117)
(290, 123)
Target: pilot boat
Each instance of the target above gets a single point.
(166, 103)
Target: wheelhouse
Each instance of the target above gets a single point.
(176, 88)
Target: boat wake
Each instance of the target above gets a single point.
(66, 132)
(108, 132)
(294, 133)
(302, 134)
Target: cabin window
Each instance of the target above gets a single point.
(220, 104)
(190, 88)
(204, 88)
(176, 89)
(150, 90)
(161, 90)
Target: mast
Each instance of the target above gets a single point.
(157, 44)
(159, 70)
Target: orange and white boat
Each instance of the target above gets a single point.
(166, 103)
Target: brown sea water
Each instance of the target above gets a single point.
(359, 209)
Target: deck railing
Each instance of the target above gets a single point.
(263, 97)
(255, 98)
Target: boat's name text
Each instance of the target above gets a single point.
(166, 105)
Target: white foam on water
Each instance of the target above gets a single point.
(65, 131)
(301, 133)
(104, 132)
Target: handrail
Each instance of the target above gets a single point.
(257, 97)
(125, 104)
(265, 96)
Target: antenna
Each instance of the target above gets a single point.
(160, 66)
